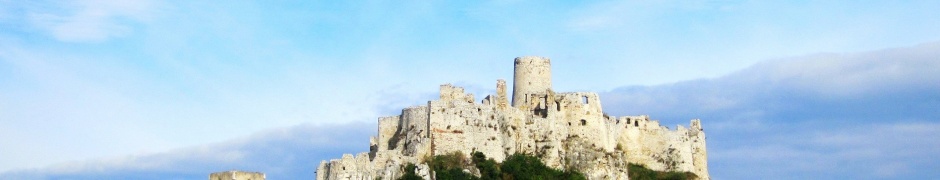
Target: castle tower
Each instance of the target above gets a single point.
(533, 76)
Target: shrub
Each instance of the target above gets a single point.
(450, 166)
(489, 169)
(410, 173)
(516, 167)
(523, 166)
(640, 172)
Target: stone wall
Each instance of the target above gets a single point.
(461, 125)
(567, 130)
(388, 128)
(532, 76)
(414, 129)
(657, 147)
(236, 175)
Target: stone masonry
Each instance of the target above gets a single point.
(236, 175)
(568, 130)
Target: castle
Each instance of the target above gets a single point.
(567, 130)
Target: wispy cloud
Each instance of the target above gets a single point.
(283, 153)
(88, 20)
(830, 116)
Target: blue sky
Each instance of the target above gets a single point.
(786, 89)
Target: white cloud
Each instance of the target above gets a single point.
(882, 150)
(830, 116)
(854, 74)
(55, 106)
(827, 78)
(281, 153)
(616, 15)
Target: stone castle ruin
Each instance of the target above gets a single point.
(566, 129)
(236, 175)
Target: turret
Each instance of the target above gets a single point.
(533, 76)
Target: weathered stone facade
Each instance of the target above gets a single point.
(236, 175)
(568, 130)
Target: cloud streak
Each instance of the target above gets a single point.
(826, 116)
(89, 20)
(282, 153)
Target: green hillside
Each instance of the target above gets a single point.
(520, 167)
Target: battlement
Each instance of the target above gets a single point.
(451, 92)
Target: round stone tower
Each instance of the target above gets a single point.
(533, 75)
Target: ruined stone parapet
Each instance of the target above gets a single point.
(450, 92)
(501, 98)
(699, 156)
(388, 127)
(236, 175)
(415, 131)
(660, 148)
(349, 167)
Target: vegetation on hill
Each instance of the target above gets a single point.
(640, 172)
(516, 166)
(410, 173)
(520, 167)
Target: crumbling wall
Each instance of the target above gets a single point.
(583, 116)
(388, 128)
(237, 175)
(416, 132)
(646, 142)
(459, 124)
(349, 167)
(699, 155)
(566, 130)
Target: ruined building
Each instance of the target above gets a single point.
(236, 175)
(565, 129)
